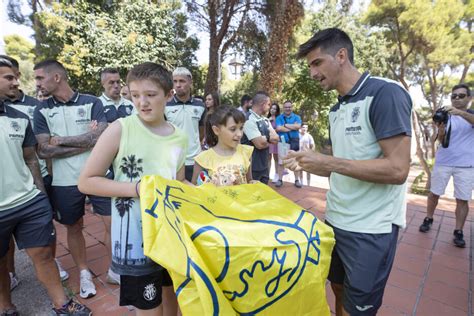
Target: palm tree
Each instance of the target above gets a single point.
(131, 168)
(123, 205)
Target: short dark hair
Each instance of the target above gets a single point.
(153, 72)
(14, 63)
(108, 71)
(219, 117)
(330, 41)
(259, 97)
(245, 98)
(462, 86)
(50, 64)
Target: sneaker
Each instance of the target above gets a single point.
(275, 178)
(459, 238)
(62, 273)
(72, 308)
(87, 286)
(9, 312)
(279, 183)
(426, 226)
(13, 281)
(113, 278)
(298, 184)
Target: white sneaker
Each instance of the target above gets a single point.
(275, 178)
(87, 286)
(63, 275)
(112, 277)
(13, 281)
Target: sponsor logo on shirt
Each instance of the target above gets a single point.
(16, 128)
(53, 114)
(81, 113)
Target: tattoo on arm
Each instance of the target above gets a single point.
(47, 151)
(86, 140)
(29, 155)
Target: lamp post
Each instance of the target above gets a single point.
(236, 66)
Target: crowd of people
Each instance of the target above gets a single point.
(67, 147)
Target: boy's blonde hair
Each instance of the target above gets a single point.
(153, 72)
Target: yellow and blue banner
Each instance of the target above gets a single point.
(236, 250)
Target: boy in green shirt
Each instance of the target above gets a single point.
(138, 145)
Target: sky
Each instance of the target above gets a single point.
(7, 28)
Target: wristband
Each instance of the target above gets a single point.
(136, 188)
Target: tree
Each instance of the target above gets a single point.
(86, 38)
(428, 43)
(286, 15)
(222, 20)
(21, 49)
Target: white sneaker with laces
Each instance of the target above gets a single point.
(112, 277)
(63, 275)
(87, 286)
(13, 281)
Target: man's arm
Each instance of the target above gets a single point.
(29, 155)
(464, 114)
(86, 140)
(274, 138)
(391, 168)
(260, 142)
(46, 151)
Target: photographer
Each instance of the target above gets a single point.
(455, 158)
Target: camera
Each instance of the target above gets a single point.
(441, 116)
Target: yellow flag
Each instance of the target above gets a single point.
(236, 250)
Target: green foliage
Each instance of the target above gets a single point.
(247, 84)
(18, 46)
(419, 185)
(86, 38)
(22, 50)
(428, 40)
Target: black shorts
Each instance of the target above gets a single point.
(47, 181)
(362, 264)
(167, 281)
(261, 175)
(31, 223)
(68, 203)
(188, 172)
(142, 292)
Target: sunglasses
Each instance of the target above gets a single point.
(458, 96)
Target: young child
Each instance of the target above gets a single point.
(227, 162)
(137, 145)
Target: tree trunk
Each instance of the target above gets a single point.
(419, 151)
(212, 80)
(282, 25)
